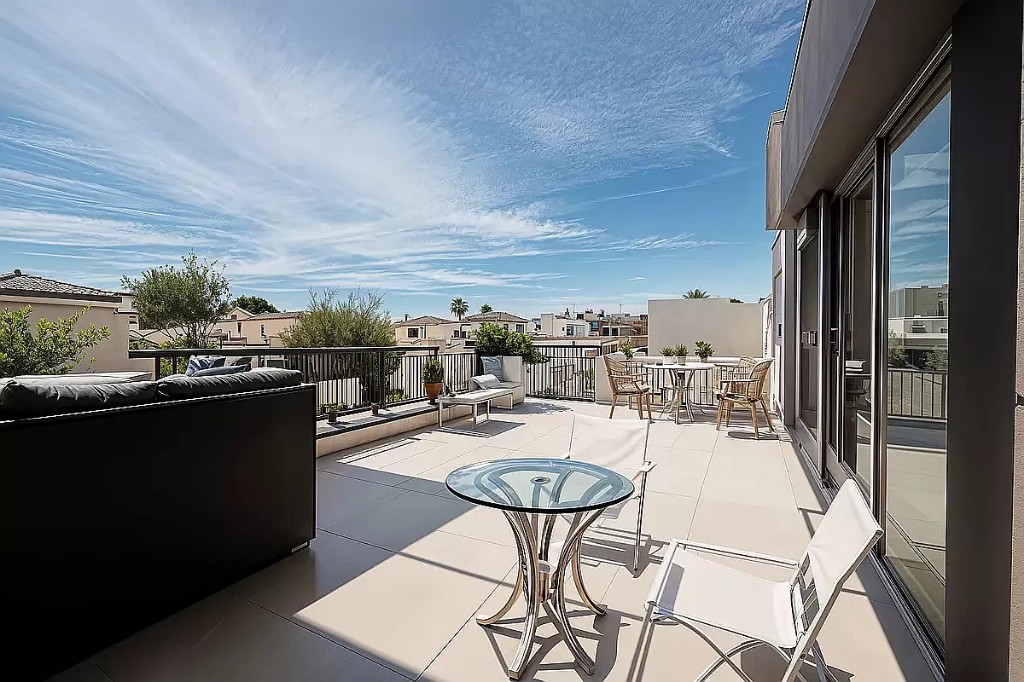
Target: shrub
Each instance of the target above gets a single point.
(55, 347)
(627, 349)
(433, 372)
(493, 339)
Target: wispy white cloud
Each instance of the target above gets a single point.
(167, 126)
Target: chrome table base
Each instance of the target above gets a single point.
(543, 584)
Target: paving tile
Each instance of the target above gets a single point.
(341, 497)
(401, 521)
(224, 638)
(748, 489)
(783, 533)
(404, 611)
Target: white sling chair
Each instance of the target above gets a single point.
(619, 445)
(784, 616)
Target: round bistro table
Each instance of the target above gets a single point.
(532, 493)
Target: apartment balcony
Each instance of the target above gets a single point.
(389, 587)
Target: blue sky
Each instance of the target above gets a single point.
(531, 155)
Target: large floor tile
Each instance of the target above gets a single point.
(292, 584)
(749, 489)
(752, 528)
(404, 611)
(401, 521)
(225, 638)
(340, 497)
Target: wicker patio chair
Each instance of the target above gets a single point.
(747, 392)
(628, 379)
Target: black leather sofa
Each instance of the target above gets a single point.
(114, 517)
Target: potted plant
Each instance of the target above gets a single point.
(669, 353)
(704, 350)
(433, 379)
(627, 349)
(374, 408)
(682, 351)
(332, 412)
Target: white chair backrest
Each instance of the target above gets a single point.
(616, 444)
(842, 540)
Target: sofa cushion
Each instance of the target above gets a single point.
(487, 381)
(492, 365)
(244, 360)
(201, 362)
(181, 387)
(217, 371)
(40, 397)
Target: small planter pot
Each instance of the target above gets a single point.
(332, 417)
(670, 359)
(375, 408)
(433, 390)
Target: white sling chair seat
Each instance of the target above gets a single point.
(786, 616)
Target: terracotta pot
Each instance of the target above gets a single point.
(433, 390)
(374, 408)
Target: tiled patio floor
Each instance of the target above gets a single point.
(389, 588)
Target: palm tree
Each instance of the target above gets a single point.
(486, 308)
(459, 307)
(696, 293)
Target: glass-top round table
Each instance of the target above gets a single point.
(532, 492)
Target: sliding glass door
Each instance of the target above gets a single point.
(917, 357)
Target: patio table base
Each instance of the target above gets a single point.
(543, 584)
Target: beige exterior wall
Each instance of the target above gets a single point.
(111, 354)
(734, 329)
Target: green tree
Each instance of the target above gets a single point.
(937, 360)
(459, 307)
(696, 293)
(897, 354)
(494, 339)
(184, 303)
(486, 308)
(359, 320)
(255, 304)
(55, 347)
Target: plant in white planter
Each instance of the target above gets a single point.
(682, 352)
(669, 353)
(704, 350)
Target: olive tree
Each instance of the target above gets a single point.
(359, 320)
(55, 347)
(185, 303)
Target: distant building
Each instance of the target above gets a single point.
(52, 298)
(509, 321)
(561, 325)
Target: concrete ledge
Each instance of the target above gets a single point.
(331, 438)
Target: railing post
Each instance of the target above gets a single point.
(382, 396)
(156, 367)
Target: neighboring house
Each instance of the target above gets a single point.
(51, 298)
(430, 330)
(266, 328)
(509, 321)
(562, 326)
(238, 328)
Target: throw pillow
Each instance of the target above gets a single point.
(217, 371)
(492, 365)
(201, 362)
(487, 381)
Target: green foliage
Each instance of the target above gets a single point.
(937, 360)
(358, 321)
(184, 303)
(486, 308)
(459, 307)
(254, 304)
(696, 293)
(55, 347)
(897, 354)
(682, 351)
(626, 348)
(704, 350)
(433, 372)
(669, 351)
(494, 339)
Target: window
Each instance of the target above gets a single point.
(413, 333)
(239, 328)
(506, 327)
(521, 328)
(915, 455)
(263, 330)
(593, 326)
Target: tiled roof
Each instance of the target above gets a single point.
(19, 283)
(424, 319)
(276, 316)
(496, 316)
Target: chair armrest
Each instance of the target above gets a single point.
(647, 467)
(739, 554)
